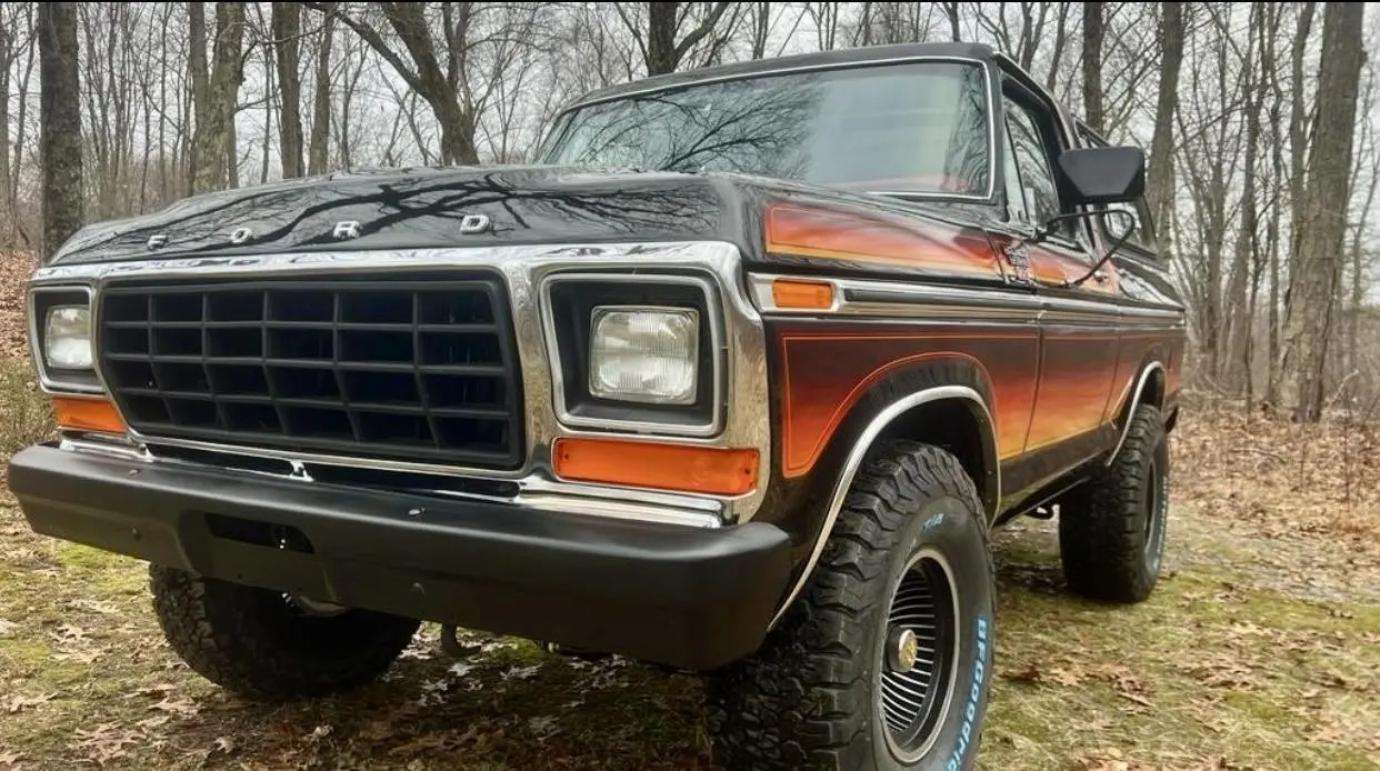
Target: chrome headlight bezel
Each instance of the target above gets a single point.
(58, 379)
(569, 331)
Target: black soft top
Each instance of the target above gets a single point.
(860, 56)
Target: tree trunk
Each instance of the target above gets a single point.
(761, 29)
(1060, 38)
(951, 11)
(200, 97)
(318, 151)
(1245, 273)
(6, 58)
(425, 75)
(287, 28)
(661, 38)
(1159, 183)
(1319, 242)
(59, 124)
(213, 143)
(1092, 66)
(1272, 233)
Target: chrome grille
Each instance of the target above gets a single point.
(418, 370)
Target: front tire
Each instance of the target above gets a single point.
(261, 644)
(885, 659)
(1112, 527)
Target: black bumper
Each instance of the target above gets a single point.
(695, 598)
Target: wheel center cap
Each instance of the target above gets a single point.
(903, 648)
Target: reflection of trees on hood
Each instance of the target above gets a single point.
(743, 128)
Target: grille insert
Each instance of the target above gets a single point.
(413, 370)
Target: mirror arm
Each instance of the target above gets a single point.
(1116, 245)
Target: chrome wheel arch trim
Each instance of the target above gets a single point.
(1135, 402)
(854, 461)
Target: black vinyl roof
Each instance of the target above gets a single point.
(861, 56)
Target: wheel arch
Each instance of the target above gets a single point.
(1150, 388)
(947, 403)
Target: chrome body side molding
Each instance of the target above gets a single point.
(853, 462)
(889, 299)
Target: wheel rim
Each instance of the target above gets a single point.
(920, 649)
(1154, 516)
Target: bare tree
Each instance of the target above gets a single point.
(951, 12)
(287, 41)
(657, 37)
(213, 144)
(440, 88)
(60, 120)
(1245, 275)
(1092, 66)
(318, 151)
(1159, 183)
(14, 41)
(1318, 244)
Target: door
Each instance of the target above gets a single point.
(1079, 325)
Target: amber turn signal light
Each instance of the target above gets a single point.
(812, 295)
(662, 466)
(87, 415)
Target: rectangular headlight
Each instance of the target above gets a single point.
(67, 337)
(644, 354)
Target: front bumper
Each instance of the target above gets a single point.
(690, 597)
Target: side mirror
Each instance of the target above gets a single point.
(1101, 175)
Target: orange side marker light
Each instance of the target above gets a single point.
(661, 466)
(87, 415)
(813, 295)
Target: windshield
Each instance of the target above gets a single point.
(900, 128)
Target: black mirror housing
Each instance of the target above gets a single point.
(1101, 175)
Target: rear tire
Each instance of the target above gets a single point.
(1112, 527)
(837, 684)
(259, 644)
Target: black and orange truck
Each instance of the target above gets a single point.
(736, 378)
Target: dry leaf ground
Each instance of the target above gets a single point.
(1261, 648)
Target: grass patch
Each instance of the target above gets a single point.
(25, 414)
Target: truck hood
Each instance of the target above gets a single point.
(424, 208)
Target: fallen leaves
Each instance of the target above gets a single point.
(19, 702)
(1287, 479)
(108, 742)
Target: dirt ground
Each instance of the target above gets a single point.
(1260, 649)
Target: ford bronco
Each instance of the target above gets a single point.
(737, 379)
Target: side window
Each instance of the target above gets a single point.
(1140, 234)
(1016, 205)
(1032, 160)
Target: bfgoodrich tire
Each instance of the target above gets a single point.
(260, 644)
(884, 661)
(1112, 527)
